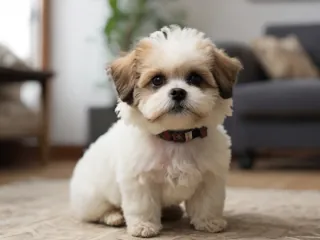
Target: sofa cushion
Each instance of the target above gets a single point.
(307, 33)
(292, 98)
(284, 57)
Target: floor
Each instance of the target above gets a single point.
(296, 216)
(282, 174)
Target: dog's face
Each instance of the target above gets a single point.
(174, 77)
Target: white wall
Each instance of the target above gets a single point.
(14, 26)
(79, 55)
(78, 58)
(242, 20)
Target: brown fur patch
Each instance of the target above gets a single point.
(224, 68)
(125, 71)
(225, 71)
(198, 67)
(140, 94)
(147, 74)
(124, 76)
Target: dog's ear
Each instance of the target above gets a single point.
(123, 74)
(225, 71)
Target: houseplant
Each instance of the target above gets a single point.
(131, 19)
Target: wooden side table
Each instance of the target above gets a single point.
(43, 77)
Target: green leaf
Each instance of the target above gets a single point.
(122, 16)
(114, 5)
(142, 4)
(110, 26)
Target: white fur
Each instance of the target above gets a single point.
(178, 46)
(131, 170)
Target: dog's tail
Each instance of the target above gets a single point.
(172, 213)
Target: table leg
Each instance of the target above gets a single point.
(44, 143)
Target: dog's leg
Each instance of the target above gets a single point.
(205, 208)
(88, 206)
(141, 208)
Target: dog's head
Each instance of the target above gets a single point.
(174, 77)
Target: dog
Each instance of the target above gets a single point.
(168, 146)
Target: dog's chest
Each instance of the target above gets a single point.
(179, 173)
(180, 186)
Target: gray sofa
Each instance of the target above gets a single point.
(274, 114)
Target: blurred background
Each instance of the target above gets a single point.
(55, 98)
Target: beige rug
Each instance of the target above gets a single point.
(39, 210)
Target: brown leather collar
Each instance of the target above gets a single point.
(182, 136)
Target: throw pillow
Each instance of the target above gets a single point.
(284, 58)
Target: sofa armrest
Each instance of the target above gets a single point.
(252, 70)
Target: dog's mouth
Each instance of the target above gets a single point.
(182, 109)
(178, 108)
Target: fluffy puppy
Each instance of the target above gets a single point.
(168, 145)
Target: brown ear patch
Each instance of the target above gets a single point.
(123, 74)
(126, 70)
(225, 71)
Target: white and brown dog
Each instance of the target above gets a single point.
(168, 146)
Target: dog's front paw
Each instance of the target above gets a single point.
(210, 225)
(114, 219)
(144, 229)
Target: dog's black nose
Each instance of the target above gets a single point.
(178, 94)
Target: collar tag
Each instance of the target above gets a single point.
(184, 135)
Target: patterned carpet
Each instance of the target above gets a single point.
(38, 210)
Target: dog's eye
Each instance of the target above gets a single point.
(194, 79)
(158, 80)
